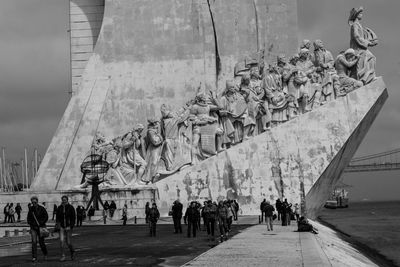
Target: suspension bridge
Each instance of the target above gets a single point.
(384, 161)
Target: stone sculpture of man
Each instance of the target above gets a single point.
(324, 62)
(360, 39)
(154, 142)
(305, 68)
(205, 128)
(233, 113)
(287, 72)
(276, 95)
(344, 64)
(132, 164)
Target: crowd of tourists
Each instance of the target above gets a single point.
(9, 212)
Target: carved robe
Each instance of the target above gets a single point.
(360, 39)
(278, 104)
(154, 143)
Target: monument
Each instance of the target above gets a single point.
(200, 100)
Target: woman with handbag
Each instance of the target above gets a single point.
(37, 218)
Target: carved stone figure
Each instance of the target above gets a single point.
(233, 113)
(302, 84)
(276, 96)
(205, 128)
(154, 141)
(263, 116)
(306, 44)
(344, 64)
(324, 64)
(287, 72)
(360, 39)
(132, 165)
(176, 130)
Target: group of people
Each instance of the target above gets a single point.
(283, 211)
(65, 221)
(9, 212)
(214, 214)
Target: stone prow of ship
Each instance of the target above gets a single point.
(207, 100)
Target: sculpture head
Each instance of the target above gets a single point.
(254, 73)
(245, 79)
(230, 86)
(318, 44)
(356, 14)
(201, 98)
(293, 59)
(281, 60)
(306, 44)
(272, 69)
(165, 112)
(152, 123)
(138, 129)
(350, 54)
(303, 54)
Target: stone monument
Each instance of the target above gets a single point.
(227, 115)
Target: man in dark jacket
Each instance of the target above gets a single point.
(37, 217)
(80, 213)
(278, 206)
(66, 220)
(154, 215)
(262, 209)
(192, 216)
(177, 216)
(210, 215)
(18, 210)
(222, 215)
(269, 212)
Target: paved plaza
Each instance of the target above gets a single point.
(249, 244)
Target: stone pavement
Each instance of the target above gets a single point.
(284, 246)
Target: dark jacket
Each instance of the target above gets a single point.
(268, 210)
(66, 216)
(41, 217)
(177, 210)
(192, 214)
(154, 215)
(210, 212)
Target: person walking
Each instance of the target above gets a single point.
(286, 211)
(210, 215)
(278, 206)
(230, 214)
(222, 215)
(113, 207)
(192, 216)
(80, 211)
(5, 211)
(297, 211)
(269, 212)
(146, 211)
(154, 215)
(11, 212)
(262, 210)
(37, 217)
(66, 218)
(177, 209)
(124, 214)
(91, 212)
(18, 210)
(54, 212)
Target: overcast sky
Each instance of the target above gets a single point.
(34, 74)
